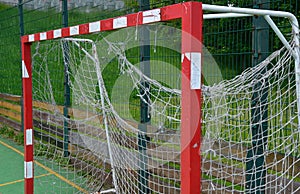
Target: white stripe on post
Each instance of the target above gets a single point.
(94, 27)
(28, 136)
(195, 70)
(28, 170)
(151, 16)
(31, 38)
(74, 30)
(120, 22)
(57, 33)
(24, 70)
(182, 57)
(188, 56)
(43, 36)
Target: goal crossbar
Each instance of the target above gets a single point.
(163, 14)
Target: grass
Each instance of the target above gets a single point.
(10, 133)
(224, 183)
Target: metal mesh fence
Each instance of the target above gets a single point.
(10, 72)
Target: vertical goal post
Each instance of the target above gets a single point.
(191, 15)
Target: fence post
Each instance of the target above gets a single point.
(21, 26)
(67, 96)
(255, 164)
(144, 37)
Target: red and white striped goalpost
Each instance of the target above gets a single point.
(191, 16)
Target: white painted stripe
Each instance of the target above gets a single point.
(24, 70)
(31, 38)
(28, 169)
(57, 33)
(94, 27)
(108, 191)
(188, 56)
(74, 30)
(195, 70)
(151, 16)
(185, 55)
(28, 136)
(119, 22)
(43, 36)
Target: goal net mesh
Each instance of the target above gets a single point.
(249, 123)
(251, 129)
(109, 148)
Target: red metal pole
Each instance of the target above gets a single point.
(28, 127)
(191, 97)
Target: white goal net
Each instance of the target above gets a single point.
(248, 120)
(108, 146)
(252, 130)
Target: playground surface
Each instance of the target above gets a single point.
(12, 172)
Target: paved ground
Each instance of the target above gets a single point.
(12, 173)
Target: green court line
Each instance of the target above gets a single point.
(21, 180)
(47, 169)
